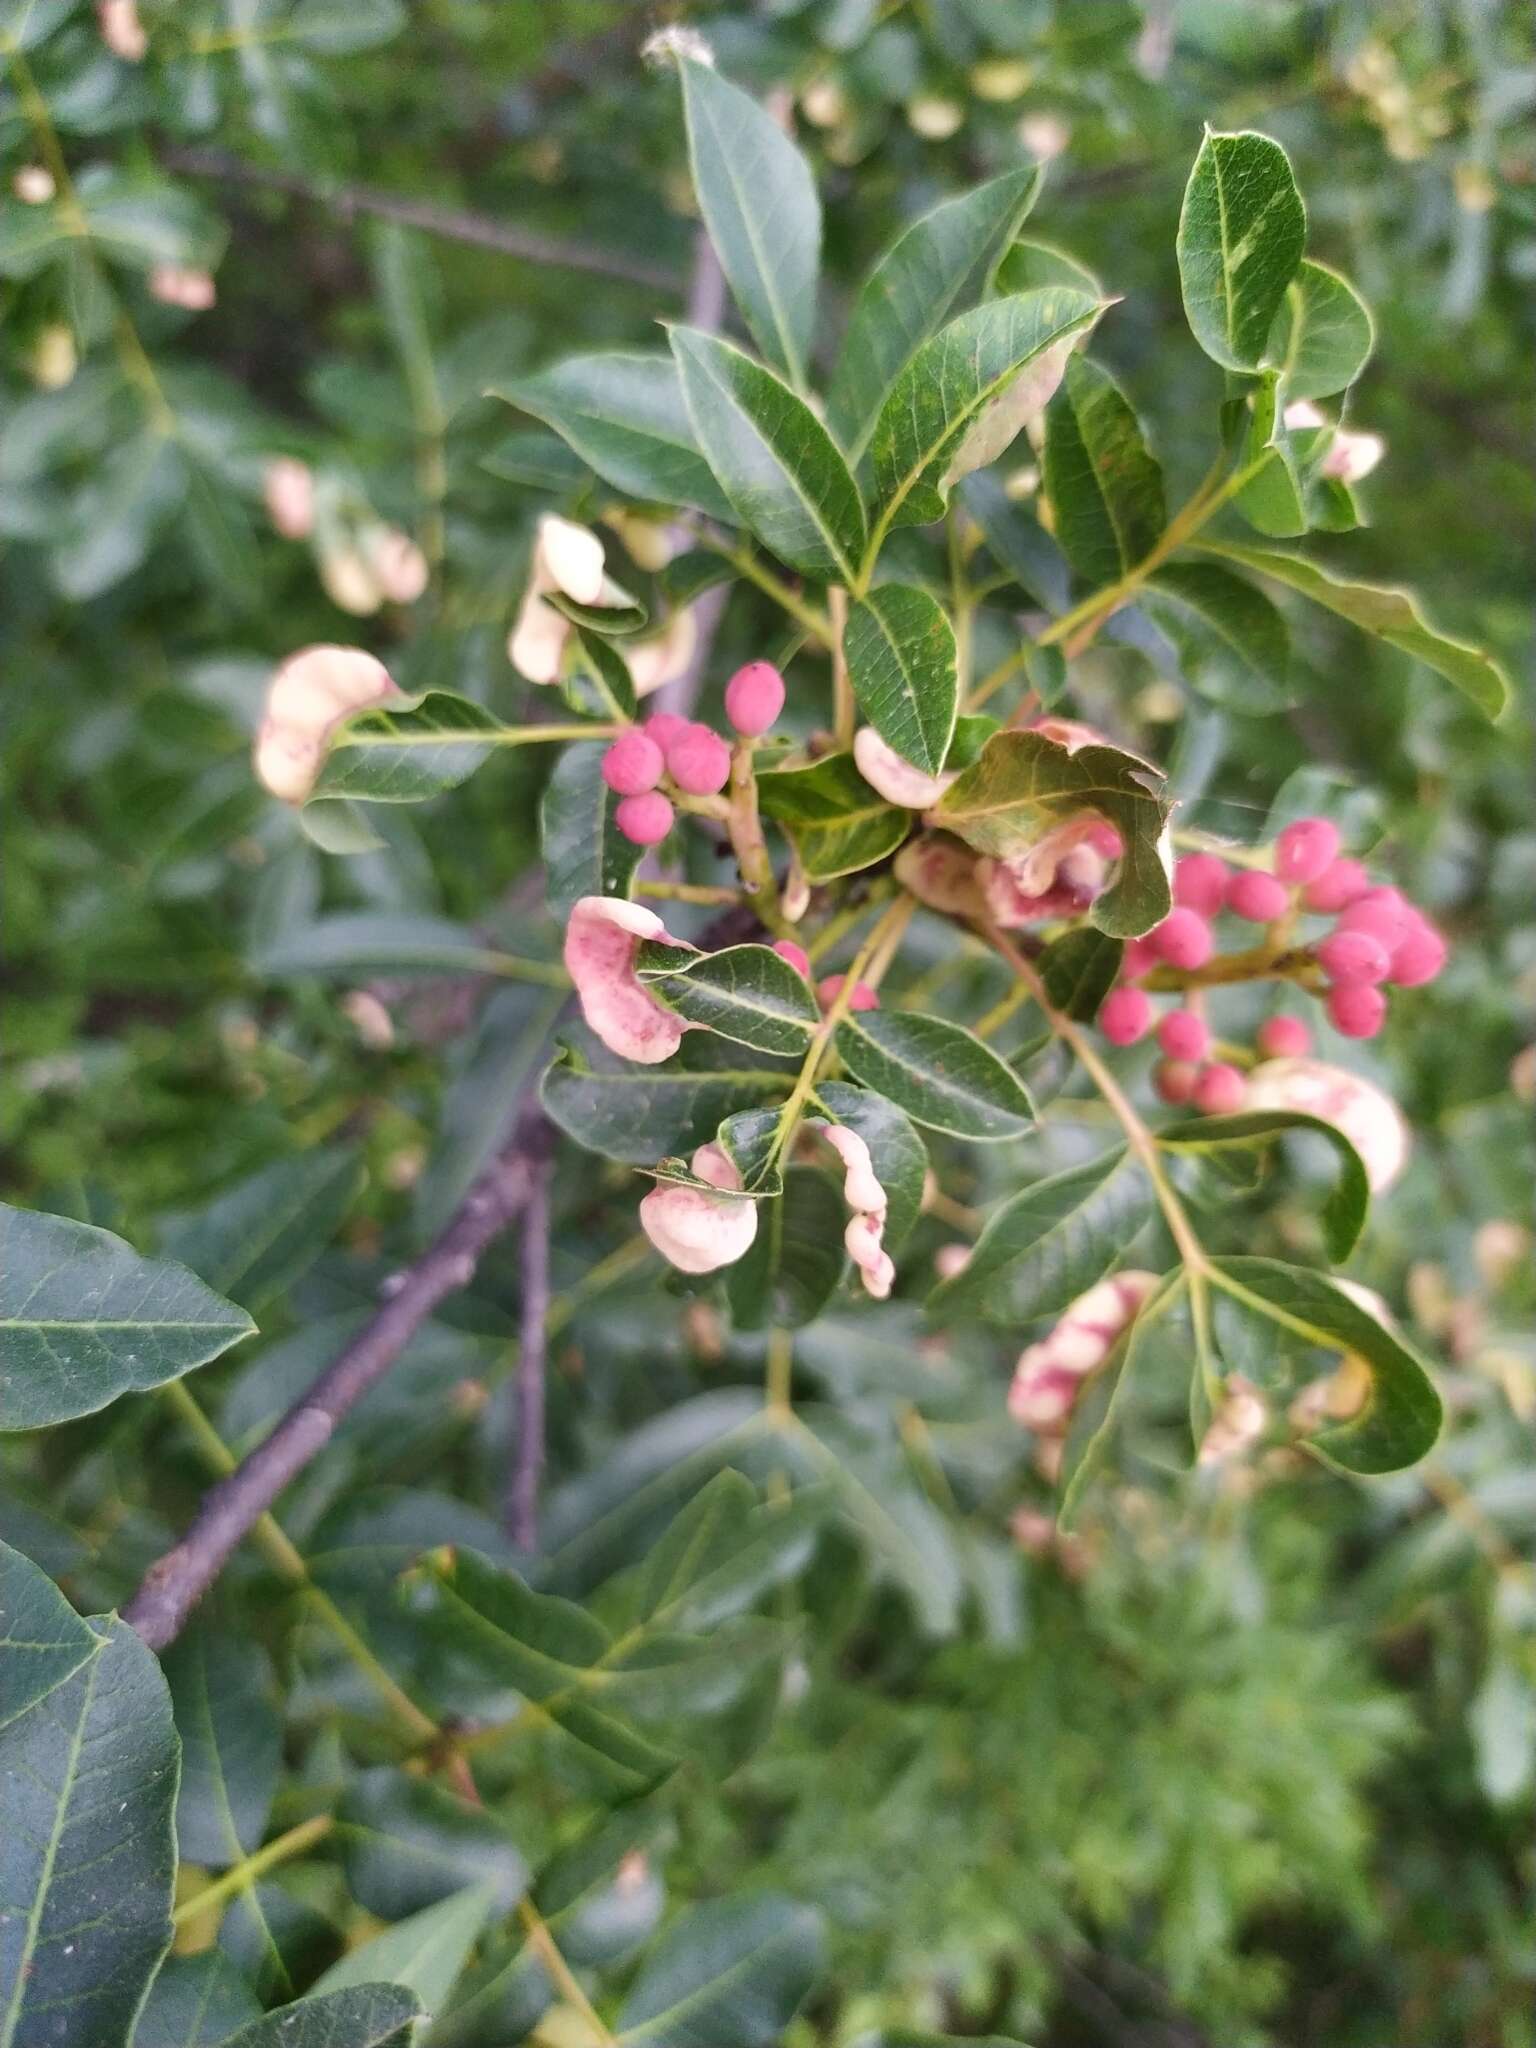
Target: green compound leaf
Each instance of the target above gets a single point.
(196, 2002)
(902, 665)
(1231, 640)
(83, 1319)
(942, 1075)
(1095, 1412)
(1343, 1214)
(369, 2016)
(253, 1240)
(1392, 615)
(1050, 1243)
(774, 459)
(1023, 783)
(1079, 970)
(1322, 335)
(1401, 1420)
(1104, 483)
(408, 753)
(923, 439)
(637, 1114)
(1241, 234)
(759, 202)
(42, 1639)
(833, 819)
(231, 1743)
(585, 853)
(747, 993)
(624, 415)
(909, 294)
(733, 1970)
(793, 1266)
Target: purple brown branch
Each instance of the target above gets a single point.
(175, 1583)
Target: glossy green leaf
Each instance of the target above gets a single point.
(732, 1970)
(1232, 642)
(836, 823)
(422, 1954)
(745, 993)
(1079, 970)
(912, 289)
(774, 459)
(1273, 497)
(1021, 545)
(896, 1151)
(1322, 335)
(939, 419)
(350, 943)
(942, 1075)
(1401, 1419)
(1343, 1213)
(1241, 234)
(900, 649)
(636, 1114)
(1392, 615)
(407, 1844)
(793, 1266)
(1096, 1411)
(725, 1550)
(405, 756)
(88, 1851)
(1050, 1242)
(196, 2002)
(585, 853)
(231, 1744)
(1031, 263)
(615, 613)
(1104, 483)
(758, 199)
(42, 1639)
(1023, 783)
(253, 1240)
(598, 682)
(83, 1319)
(368, 2015)
(624, 415)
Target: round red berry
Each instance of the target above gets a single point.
(645, 820)
(1183, 939)
(1341, 883)
(1257, 896)
(1175, 1080)
(1419, 957)
(1125, 1015)
(1219, 1090)
(633, 764)
(1283, 1038)
(797, 956)
(1304, 850)
(1199, 882)
(754, 697)
(1356, 1009)
(1385, 913)
(1353, 956)
(698, 760)
(1136, 959)
(664, 727)
(830, 987)
(1184, 1035)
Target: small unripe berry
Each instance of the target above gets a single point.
(1341, 883)
(1385, 913)
(1199, 882)
(645, 820)
(1219, 1090)
(1257, 896)
(1305, 849)
(1125, 1015)
(1283, 1038)
(633, 764)
(754, 697)
(1419, 957)
(1356, 1010)
(698, 760)
(1175, 1080)
(797, 956)
(830, 987)
(1183, 939)
(1353, 956)
(1184, 1035)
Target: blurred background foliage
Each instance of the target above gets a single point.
(1248, 1763)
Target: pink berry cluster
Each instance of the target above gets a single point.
(1377, 938)
(830, 987)
(692, 757)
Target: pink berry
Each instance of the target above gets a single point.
(1257, 896)
(1183, 939)
(1304, 850)
(1385, 913)
(1283, 1038)
(830, 987)
(1184, 1036)
(645, 820)
(1125, 1015)
(1341, 883)
(633, 764)
(698, 760)
(754, 697)
(1356, 1009)
(1136, 959)
(1419, 957)
(1219, 1090)
(797, 956)
(1353, 956)
(1175, 1080)
(1199, 882)
(665, 726)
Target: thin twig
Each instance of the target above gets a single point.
(175, 1583)
(522, 1506)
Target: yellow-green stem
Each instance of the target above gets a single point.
(242, 1875)
(844, 710)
